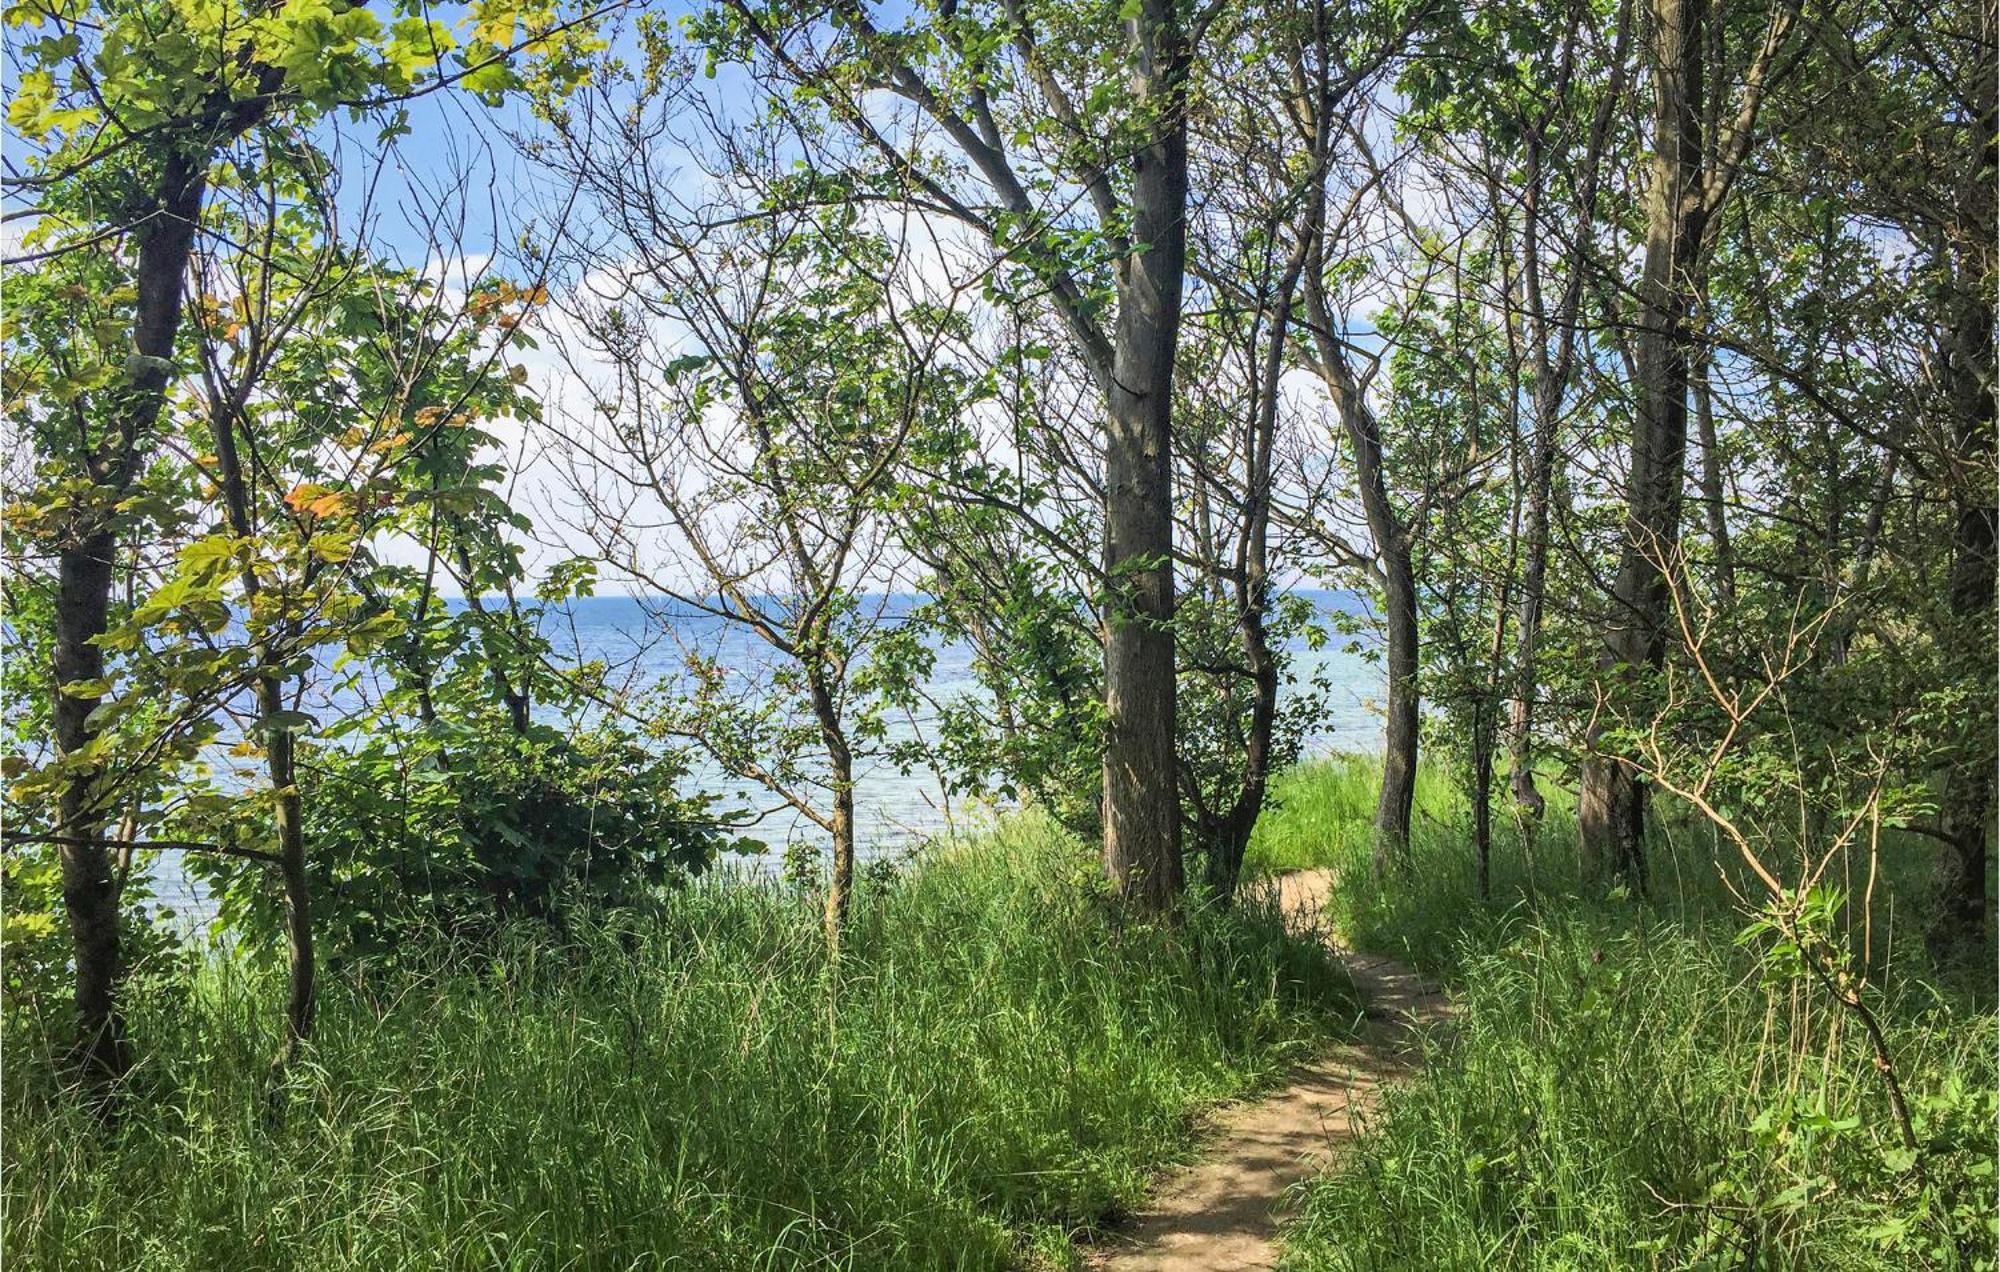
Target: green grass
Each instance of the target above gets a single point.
(997, 1063)
(1322, 813)
(1621, 1087)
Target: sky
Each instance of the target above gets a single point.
(454, 197)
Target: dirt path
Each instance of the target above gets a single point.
(1222, 1214)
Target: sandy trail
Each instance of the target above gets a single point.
(1222, 1213)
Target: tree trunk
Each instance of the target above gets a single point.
(1552, 376)
(1141, 791)
(1713, 505)
(226, 416)
(89, 882)
(840, 764)
(288, 814)
(1534, 584)
(1966, 809)
(1482, 798)
(1611, 807)
(1399, 735)
(83, 608)
(1231, 839)
(1399, 586)
(1252, 595)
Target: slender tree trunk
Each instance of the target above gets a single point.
(1482, 798)
(1713, 503)
(1966, 809)
(83, 609)
(1399, 736)
(1399, 587)
(1534, 585)
(280, 743)
(1552, 376)
(1232, 837)
(288, 814)
(89, 882)
(1142, 853)
(1253, 586)
(1611, 807)
(840, 765)
(1485, 736)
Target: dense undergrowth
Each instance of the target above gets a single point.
(1623, 1086)
(996, 1063)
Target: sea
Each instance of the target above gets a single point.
(644, 643)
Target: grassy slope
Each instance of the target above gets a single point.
(1620, 1089)
(997, 1062)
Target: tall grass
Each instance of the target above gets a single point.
(996, 1061)
(1623, 1086)
(1321, 813)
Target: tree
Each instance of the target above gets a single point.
(768, 375)
(1701, 135)
(128, 107)
(1049, 109)
(1525, 129)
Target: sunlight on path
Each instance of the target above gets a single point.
(1223, 1213)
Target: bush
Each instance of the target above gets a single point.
(453, 833)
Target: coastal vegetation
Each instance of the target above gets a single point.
(1066, 412)
(1627, 1081)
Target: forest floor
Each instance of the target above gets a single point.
(1223, 1213)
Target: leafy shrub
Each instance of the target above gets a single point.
(453, 832)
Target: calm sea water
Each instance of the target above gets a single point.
(645, 643)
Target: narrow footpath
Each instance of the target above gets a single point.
(1223, 1213)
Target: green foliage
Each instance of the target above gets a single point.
(138, 66)
(1624, 1085)
(447, 836)
(1320, 814)
(1033, 730)
(1614, 1094)
(1001, 1060)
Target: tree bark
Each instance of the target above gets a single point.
(1553, 369)
(1611, 806)
(1399, 735)
(280, 743)
(1399, 586)
(1534, 585)
(1966, 810)
(840, 765)
(1230, 840)
(1142, 851)
(288, 814)
(1482, 799)
(83, 609)
(89, 880)
(1713, 504)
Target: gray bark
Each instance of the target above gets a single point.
(1142, 852)
(1399, 586)
(1611, 805)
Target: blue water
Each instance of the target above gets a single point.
(644, 643)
